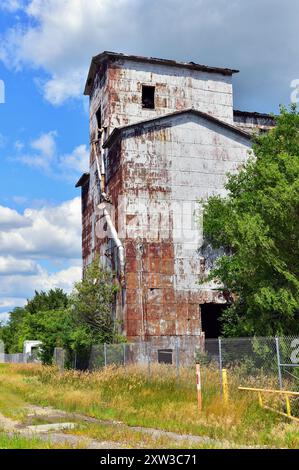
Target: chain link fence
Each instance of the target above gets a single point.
(17, 358)
(259, 361)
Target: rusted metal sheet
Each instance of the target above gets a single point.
(155, 174)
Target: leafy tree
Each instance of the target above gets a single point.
(29, 322)
(53, 328)
(52, 300)
(74, 323)
(92, 302)
(257, 224)
(11, 333)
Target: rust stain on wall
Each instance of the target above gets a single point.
(161, 168)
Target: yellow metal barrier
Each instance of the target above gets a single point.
(285, 393)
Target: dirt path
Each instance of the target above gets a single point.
(54, 422)
(12, 427)
(184, 439)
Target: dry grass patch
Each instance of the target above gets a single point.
(159, 401)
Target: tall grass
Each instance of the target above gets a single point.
(160, 401)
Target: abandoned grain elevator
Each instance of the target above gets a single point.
(163, 135)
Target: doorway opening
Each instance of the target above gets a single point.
(210, 316)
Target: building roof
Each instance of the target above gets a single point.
(83, 180)
(119, 130)
(106, 55)
(254, 114)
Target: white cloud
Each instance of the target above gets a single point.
(11, 266)
(44, 151)
(11, 302)
(42, 154)
(40, 249)
(61, 36)
(49, 232)
(77, 161)
(11, 219)
(15, 289)
(4, 317)
(45, 144)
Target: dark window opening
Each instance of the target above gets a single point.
(165, 356)
(210, 319)
(148, 97)
(84, 197)
(99, 117)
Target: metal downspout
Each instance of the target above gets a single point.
(106, 215)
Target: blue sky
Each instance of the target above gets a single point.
(45, 50)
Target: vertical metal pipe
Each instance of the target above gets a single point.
(278, 362)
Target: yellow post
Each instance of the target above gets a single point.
(198, 386)
(260, 399)
(225, 385)
(288, 404)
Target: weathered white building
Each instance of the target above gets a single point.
(164, 135)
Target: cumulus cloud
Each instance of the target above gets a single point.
(61, 36)
(24, 286)
(43, 151)
(11, 219)
(12, 266)
(77, 160)
(42, 154)
(40, 249)
(48, 232)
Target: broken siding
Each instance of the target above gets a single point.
(253, 122)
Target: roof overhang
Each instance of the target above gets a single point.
(117, 132)
(255, 114)
(106, 55)
(84, 179)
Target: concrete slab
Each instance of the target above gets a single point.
(51, 427)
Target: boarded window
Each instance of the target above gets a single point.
(165, 356)
(148, 97)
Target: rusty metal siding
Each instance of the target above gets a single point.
(160, 172)
(164, 172)
(118, 88)
(176, 89)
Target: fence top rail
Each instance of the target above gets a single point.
(269, 390)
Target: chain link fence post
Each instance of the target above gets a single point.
(59, 358)
(2, 352)
(278, 362)
(105, 354)
(148, 360)
(177, 359)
